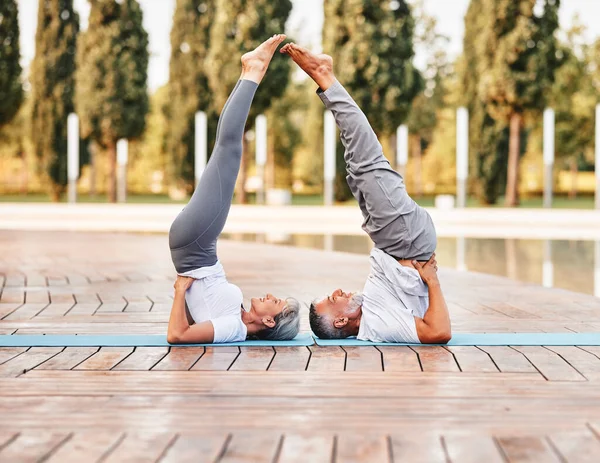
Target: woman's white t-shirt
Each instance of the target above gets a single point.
(211, 297)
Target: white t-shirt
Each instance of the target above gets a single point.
(211, 297)
(393, 296)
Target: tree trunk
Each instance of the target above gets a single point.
(574, 172)
(514, 151)
(93, 147)
(418, 170)
(242, 175)
(270, 167)
(111, 187)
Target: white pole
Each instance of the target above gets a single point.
(401, 149)
(461, 258)
(200, 145)
(548, 155)
(72, 155)
(548, 266)
(597, 268)
(261, 154)
(329, 161)
(598, 156)
(122, 159)
(462, 155)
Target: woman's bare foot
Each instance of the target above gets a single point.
(256, 62)
(318, 67)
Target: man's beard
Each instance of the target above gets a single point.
(355, 303)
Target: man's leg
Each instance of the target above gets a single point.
(395, 223)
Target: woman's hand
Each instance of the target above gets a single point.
(428, 270)
(182, 284)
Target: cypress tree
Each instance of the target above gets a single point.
(520, 39)
(189, 91)
(112, 63)
(11, 91)
(371, 42)
(53, 87)
(240, 26)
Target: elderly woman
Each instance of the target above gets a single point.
(206, 307)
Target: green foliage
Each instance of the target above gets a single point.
(53, 87)
(11, 91)
(112, 63)
(371, 42)
(189, 91)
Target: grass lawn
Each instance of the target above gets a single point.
(560, 202)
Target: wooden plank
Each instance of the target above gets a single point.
(180, 358)
(138, 447)
(83, 309)
(37, 297)
(436, 358)
(363, 359)
(217, 358)
(508, 359)
(330, 358)
(549, 364)
(7, 353)
(12, 295)
(363, 448)
(253, 359)
(6, 437)
(251, 446)
(6, 309)
(68, 358)
(584, 362)
(86, 446)
(300, 448)
(425, 448)
(290, 359)
(56, 309)
(105, 358)
(32, 446)
(190, 448)
(470, 358)
(26, 311)
(399, 358)
(143, 358)
(26, 361)
(472, 448)
(527, 449)
(580, 446)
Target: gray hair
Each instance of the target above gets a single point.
(322, 325)
(287, 323)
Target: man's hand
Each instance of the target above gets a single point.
(182, 284)
(428, 270)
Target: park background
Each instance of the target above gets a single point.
(141, 70)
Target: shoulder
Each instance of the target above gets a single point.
(229, 328)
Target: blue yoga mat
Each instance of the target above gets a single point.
(127, 340)
(488, 339)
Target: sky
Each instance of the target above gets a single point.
(304, 24)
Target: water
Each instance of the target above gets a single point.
(572, 265)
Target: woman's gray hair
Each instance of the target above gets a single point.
(287, 323)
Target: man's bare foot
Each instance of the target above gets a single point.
(256, 62)
(318, 67)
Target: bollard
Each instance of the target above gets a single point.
(261, 155)
(122, 155)
(548, 155)
(329, 153)
(401, 149)
(200, 145)
(462, 155)
(72, 156)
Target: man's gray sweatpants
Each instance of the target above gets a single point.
(395, 223)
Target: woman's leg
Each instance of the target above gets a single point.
(193, 235)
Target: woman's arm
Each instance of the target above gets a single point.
(180, 331)
(434, 327)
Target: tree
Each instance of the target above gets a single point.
(240, 26)
(53, 88)
(519, 40)
(371, 42)
(11, 91)
(112, 63)
(189, 91)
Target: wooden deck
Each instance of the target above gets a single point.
(430, 404)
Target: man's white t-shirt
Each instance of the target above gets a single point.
(392, 297)
(211, 297)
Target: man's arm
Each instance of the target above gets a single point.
(434, 327)
(180, 331)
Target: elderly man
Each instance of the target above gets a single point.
(402, 300)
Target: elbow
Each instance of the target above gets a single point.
(442, 337)
(174, 338)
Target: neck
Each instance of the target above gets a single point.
(354, 323)
(248, 320)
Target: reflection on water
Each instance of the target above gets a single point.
(572, 265)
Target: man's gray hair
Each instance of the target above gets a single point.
(322, 325)
(287, 323)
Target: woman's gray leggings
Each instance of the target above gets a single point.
(193, 234)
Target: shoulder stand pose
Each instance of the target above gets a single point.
(402, 300)
(215, 306)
